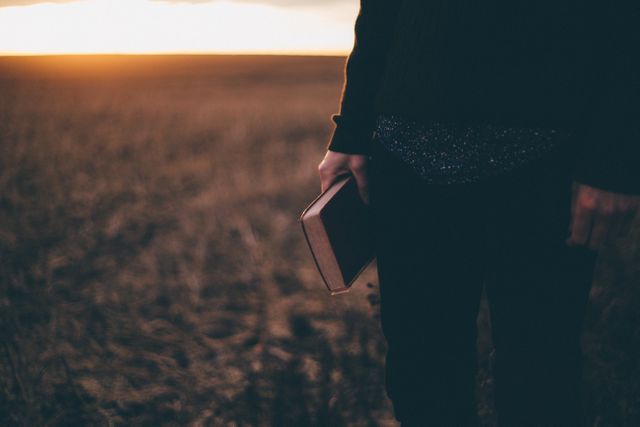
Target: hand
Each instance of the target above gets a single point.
(599, 216)
(335, 164)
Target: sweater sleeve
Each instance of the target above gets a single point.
(610, 158)
(363, 72)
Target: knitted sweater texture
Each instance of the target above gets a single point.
(566, 64)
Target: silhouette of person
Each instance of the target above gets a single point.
(497, 144)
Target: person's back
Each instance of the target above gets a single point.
(424, 83)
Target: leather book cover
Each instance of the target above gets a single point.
(337, 228)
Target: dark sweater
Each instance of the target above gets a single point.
(566, 64)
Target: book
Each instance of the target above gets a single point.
(337, 228)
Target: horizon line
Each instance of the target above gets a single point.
(180, 53)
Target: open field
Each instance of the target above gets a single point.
(152, 271)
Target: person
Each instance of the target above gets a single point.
(497, 145)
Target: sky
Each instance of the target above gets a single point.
(176, 26)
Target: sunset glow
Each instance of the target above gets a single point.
(151, 26)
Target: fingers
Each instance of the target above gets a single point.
(601, 231)
(336, 164)
(581, 221)
(598, 217)
(332, 166)
(329, 177)
(621, 220)
(626, 222)
(583, 210)
(359, 170)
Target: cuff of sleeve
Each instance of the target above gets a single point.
(351, 137)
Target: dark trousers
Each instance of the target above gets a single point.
(438, 245)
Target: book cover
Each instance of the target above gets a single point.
(337, 228)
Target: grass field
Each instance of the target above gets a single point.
(152, 271)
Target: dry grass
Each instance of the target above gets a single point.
(152, 270)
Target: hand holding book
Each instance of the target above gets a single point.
(336, 163)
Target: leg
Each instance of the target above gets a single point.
(430, 270)
(537, 299)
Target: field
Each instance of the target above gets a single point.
(153, 272)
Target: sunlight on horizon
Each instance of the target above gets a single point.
(147, 27)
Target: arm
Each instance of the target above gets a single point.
(349, 144)
(610, 159)
(363, 72)
(606, 192)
